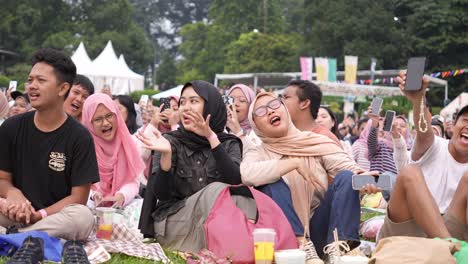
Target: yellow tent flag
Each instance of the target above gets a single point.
(321, 64)
(351, 63)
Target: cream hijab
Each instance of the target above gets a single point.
(296, 144)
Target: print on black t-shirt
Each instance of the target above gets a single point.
(46, 165)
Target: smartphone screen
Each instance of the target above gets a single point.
(166, 102)
(389, 116)
(415, 73)
(144, 100)
(13, 85)
(376, 105)
(228, 100)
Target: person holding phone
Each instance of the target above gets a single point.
(380, 145)
(308, 175)
(47, 158)
(430, 197)
(166, 117)
(402, 142)
(237, 122)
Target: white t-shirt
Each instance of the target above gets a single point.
(441, 172)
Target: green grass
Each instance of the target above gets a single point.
(120, 258)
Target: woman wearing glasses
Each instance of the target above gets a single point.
(306, 174)
(119, 160)
(192, 165)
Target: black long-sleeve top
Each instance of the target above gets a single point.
(191, 171)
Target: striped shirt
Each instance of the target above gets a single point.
(380, 155)
(360, 155)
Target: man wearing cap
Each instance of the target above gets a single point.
(21, 104)
(430, 196)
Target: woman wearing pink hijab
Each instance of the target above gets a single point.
(238, 121)
(119, 161)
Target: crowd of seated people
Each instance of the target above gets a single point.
(67, 149)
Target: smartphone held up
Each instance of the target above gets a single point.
(415, 73)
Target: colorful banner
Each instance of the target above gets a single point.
(306, 68)
(445, 74)
(321, 66)
(332, 70)
(351, 63)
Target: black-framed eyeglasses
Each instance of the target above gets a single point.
(263, 110)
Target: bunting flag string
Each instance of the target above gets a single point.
(442, 74)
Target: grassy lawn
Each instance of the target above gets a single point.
(119, 258)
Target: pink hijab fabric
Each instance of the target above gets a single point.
(407, 137)
(250, 95)
(119, 161)
(4, 107)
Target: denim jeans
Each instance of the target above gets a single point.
(340, 208)
(281, 194)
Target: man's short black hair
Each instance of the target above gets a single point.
(84, 82)
(362, 121)
(64, 68)
(308, 90)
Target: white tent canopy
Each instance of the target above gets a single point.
(171, 92)
(107, 69)
(455, 105)
(81, 59)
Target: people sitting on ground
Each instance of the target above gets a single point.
(47, 158)
(166, 117)
(402, 142)
(237, 122)
(21, 105)
(359, 148)
(127, 110)
(82, 88)
(4, 108)
(302, 99)
(119, 161)
(192, 166)
(327, 118)
(307, 174)
(430, 196)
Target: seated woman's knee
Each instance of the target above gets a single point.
(410, 174)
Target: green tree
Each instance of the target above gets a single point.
(244, 16)
(203, 50)
(365, 28)
(442, 38)
(257, 52)
(166, 72)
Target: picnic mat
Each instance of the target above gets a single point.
(126, 241)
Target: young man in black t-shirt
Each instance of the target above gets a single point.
(47, 158)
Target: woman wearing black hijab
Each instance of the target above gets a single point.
(191, 163)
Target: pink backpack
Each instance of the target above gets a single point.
(229, 233)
